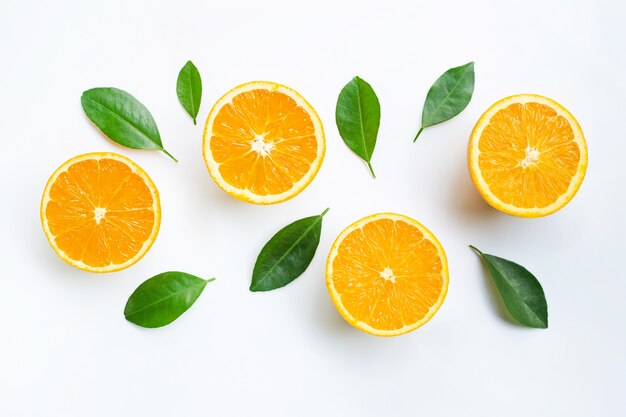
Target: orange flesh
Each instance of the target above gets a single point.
(387, 274)
(82, 230)
(528, 155)
(263, 141)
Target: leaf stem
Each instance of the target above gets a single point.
(194, 121)
(210, 280)
(325, 211)
(169, 154)
(476, 250)
(369, 165)
(418, 134)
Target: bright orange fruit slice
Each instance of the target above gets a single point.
(263, 142)
(100, 212)
(387, 274)
(527, 155)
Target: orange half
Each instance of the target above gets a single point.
(387, 274)
(100, 212)
(263, 142)
(527, 155)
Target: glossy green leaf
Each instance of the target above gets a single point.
(358, 118)
(448, 96)
(163, 298)
(122, 118)
(521, 292)
(287, 254)
(189, 89)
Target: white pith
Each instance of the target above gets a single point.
(532, 157)
(387, 275)
(260, 146)
(99, 213)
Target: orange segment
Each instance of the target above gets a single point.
(263, 142)
(527, 155)
(387, 274)
(100, 212)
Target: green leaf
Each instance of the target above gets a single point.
(287, 254)
(163, 298)
(189, 89)
(358, 118)
(122, 118)
(521, 292)
(448, 96)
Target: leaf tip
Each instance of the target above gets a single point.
(369, 165)
(83, 98)
(541, 324)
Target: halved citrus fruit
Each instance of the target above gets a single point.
(387, 274)
(100, 212)
(263, 142)
(527, 155)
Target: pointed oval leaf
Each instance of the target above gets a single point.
(189, 89)
(448, 96)
(358, 118)
(122, 118)
(287, 254)
(161, 299)
(521, 292)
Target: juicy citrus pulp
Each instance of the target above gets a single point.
(387, 274)
(263, 142)
(100, 212)
(527, 155)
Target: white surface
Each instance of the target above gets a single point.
(66, 349)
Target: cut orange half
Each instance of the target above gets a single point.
(100, 212)
(387, 274)
(263, 142)
(527, 155)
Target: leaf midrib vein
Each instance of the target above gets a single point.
(358, 96)
(125, 120)
(193, 104)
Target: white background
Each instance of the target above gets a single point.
(65, 347)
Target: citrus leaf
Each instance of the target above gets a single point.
(448, 96)
(287, 254)
(358, 118)
(521, 292)
(163, 298)
(189, 89)
(122, 118)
